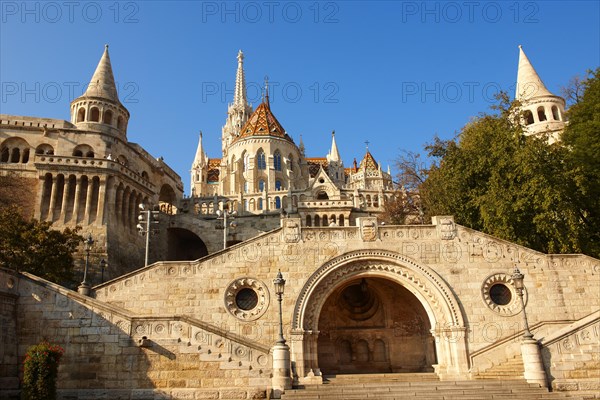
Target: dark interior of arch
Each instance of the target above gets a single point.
(374, 325)
(184, 245)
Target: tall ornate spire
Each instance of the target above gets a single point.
(334, 154)
(239, 97)
(200, 159)
(529, 84)
(102, 83)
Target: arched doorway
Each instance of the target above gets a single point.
(399, 283)
(184, 245)
(374, 325)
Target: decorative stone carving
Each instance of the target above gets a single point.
(246, 298)
(291, 230)
(368, 229)
(510, 305)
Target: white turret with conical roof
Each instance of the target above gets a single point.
(542, 112)
(99, 108)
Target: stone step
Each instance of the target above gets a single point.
(419, 387)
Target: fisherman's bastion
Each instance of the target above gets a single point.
(275, 277)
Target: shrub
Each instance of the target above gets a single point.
(40, 370)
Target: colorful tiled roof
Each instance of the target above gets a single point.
(314, 164)
(213, 169)
(368, 162)
(262, 122)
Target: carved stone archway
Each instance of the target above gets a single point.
(424, 283)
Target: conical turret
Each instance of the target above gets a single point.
(542, 112)
(99, 108)
(529, 84)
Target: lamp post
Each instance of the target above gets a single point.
(84, 288)
(518, 278)
(146, 218)
(279, 284)
(282, 379)
(533, 364)
(224, 216)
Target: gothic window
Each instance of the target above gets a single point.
(277, 161)
(260, 203)
(308, 220)
(81, 115)
(277, 203)
(44, 149)
(541, 114)
(278, 185)
(291, 162)
(341, 220)
(261, 186)
(261, 162)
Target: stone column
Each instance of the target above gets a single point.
(102, 191)
(88, 201)
(40, 198)
(65, 201)
(532, 362)
(53, 195)
(282, 376)
(77, 200)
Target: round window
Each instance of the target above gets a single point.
(246, 299)
(500, 294)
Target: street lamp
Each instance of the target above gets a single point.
(84, 288)
(517, 278)
(279, 284)
(223, 215)
(282, 369)
(146, 218)
(533, 363)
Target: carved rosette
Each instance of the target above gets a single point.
(511, 305)
(246, 298)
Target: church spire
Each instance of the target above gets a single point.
(240, 97)
(200, 159)
(102, 83)
(529, 84)
(334, 154)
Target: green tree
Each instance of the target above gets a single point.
(32, 246)
(582, 138)
(493, 178)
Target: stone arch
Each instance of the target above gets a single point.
(441, 306)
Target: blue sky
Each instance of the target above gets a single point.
(392, 73)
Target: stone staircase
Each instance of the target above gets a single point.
(419, 386)
(510, 369)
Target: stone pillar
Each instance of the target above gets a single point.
(77, 201)
(65, 199)
(53, 194)
(532, 361)
(40, 198)
(282, 376)
(102, 192)
(88, 201)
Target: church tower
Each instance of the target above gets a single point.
(99, 108)
(543, 112)
(238, 111)
(199, 170)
